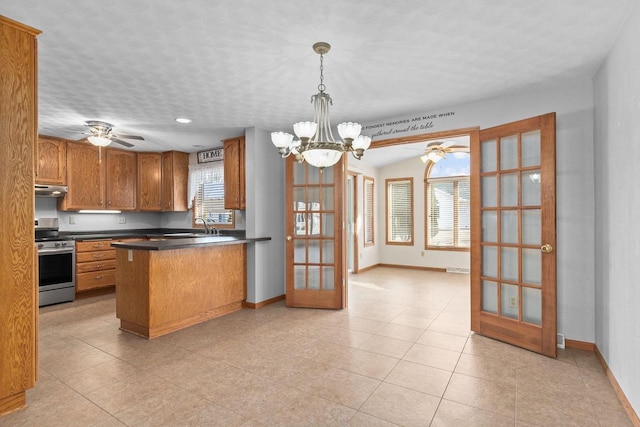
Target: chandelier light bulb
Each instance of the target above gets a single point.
(362, 142)
(322, 158)
(305, 129)
(281, 139)
(349, 130)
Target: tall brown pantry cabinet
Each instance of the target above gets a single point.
(18, 257)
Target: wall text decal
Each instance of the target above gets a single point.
(411, 124)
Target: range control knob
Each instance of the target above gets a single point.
(40, 245)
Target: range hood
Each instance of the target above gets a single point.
(50, 190)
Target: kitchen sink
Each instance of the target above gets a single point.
(184, 235)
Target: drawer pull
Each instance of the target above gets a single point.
(98, 255)
(98, 277)
(99, 265)
(97, 245)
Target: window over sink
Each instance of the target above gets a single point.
(206, 195)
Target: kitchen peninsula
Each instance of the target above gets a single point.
(166, 285)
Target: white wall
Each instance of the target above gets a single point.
(617, 149)
(46, 208)
(574, 180)
(265, 216)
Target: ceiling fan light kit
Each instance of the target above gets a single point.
(100, 141)
(433, 154)
(436, 151)
(101, 135)
(316, 144)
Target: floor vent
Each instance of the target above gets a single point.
(459, 270)
(560, 340)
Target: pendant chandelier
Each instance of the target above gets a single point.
(316, 145)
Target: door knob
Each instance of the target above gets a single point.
(547, 248)
(289, 238)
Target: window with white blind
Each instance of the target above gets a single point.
(399, 196)
(368, 211)
(448, 202)
(206, 195)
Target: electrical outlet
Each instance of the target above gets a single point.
(421, 253)
(122, 220)
(513, 302)
(72, 220)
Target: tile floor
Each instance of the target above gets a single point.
(402, 354)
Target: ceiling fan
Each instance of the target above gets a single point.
(100, 134)
(436, 151)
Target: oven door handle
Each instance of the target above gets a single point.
(54, 251)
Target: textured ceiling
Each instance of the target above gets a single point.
(228, 65)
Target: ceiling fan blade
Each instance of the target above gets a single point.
(447, 144)
(136, 137)
(125, 143)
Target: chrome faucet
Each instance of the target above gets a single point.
(207, 229)
(204, 222)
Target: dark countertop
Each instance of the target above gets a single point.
(145, 232)
(162, 244)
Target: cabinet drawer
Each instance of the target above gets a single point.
(85, 267)
(95, 256)
(93, 245)
(95, 279)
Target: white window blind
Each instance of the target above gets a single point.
(368, 211)
(400, 211)
(448, 202)
(206, 193)
(448, 219)
(463, 237)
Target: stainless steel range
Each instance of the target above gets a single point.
(56, 263)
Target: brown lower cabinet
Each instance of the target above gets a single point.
(96, 264)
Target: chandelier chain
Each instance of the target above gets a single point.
(321, 86)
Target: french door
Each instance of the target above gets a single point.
(513, 262)
(315, 265)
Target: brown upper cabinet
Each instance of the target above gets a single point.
(149, 181)
(52, 161)
(121, 179)
(234, 180)
(175, 174)
(99, 178)
(85, 177)
(110, 178)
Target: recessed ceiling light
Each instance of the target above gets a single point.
(183, 120)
